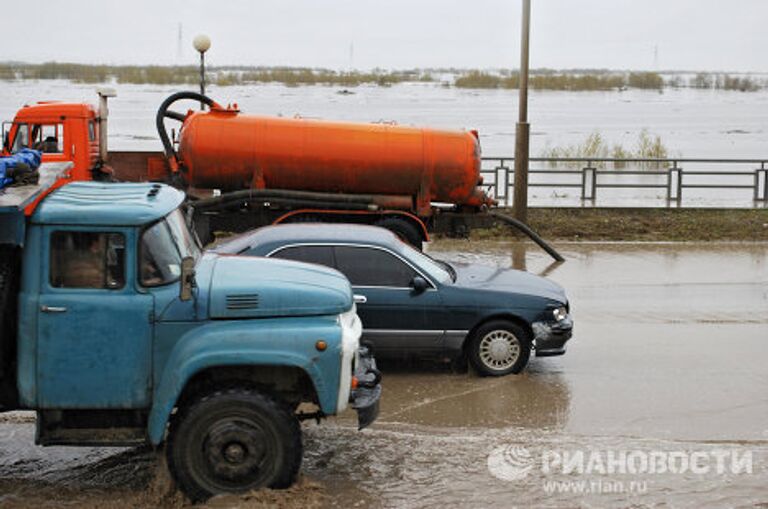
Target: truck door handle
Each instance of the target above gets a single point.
(53, 309)
(360, 299)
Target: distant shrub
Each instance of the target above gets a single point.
(477, 79)
(743, 84)
(645, 80)
(648, 146)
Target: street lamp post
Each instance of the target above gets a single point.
(522, 137)
(202, 43)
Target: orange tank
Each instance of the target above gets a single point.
(227, 150)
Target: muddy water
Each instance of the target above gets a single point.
(668, 362)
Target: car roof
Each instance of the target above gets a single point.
(94, 203)
(267, 239)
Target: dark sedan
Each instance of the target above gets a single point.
(411, 304)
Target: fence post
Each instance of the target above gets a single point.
(679, 171)
(503, 184)
(669, 185)
(758, 180)
(588, 173)
(674, 174)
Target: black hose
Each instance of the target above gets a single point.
(532, 234)
(287, 202)
(310, 197)
(162, 113)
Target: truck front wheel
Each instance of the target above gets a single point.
(233, 441)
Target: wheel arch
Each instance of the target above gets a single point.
(287, 382)
(358, 216)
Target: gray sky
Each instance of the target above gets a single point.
(617, 34)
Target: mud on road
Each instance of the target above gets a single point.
(668, 360)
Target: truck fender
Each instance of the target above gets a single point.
(236, 344)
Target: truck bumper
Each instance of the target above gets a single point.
(366, 396)
(550, 337)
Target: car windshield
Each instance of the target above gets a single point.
(437, 269)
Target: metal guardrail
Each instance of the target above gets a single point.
(591, 174)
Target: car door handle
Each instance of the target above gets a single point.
(360, 299)
(53, 309)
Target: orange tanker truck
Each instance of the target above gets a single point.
(242, 171)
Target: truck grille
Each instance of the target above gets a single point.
(244, 301)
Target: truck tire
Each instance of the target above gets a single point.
(404, 229)
(233, 441)
(499, 347)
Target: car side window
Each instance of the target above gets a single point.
(322, 255)
(366, 266)
(87, 260)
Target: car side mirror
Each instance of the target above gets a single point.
(419, 284)
(187, 278)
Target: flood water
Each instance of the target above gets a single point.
(692, 123)
(668, 360)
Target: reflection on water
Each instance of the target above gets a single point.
(535, 399)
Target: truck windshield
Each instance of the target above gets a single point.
(163, 245)
(186, 242)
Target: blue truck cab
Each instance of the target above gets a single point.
(117, 329)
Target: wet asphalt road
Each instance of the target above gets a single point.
(669, 357)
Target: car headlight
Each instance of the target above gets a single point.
(560, 313)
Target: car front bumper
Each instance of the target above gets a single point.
(550, 337)
(366, 396)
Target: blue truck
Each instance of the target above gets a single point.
(117, 329)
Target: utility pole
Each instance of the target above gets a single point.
(522, 135)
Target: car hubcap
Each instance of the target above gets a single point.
(499, 349)
(235, 450)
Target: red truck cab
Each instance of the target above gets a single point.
(61, 131)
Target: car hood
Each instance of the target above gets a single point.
(252, 287)
(507, 280)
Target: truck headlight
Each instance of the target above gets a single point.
(560, 313)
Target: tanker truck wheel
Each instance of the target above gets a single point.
(407, 231)
(233, 441)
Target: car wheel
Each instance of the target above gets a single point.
(408, 232)
(499, 348)
(233, 441)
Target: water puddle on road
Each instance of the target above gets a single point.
(398, 464)
(659, 402)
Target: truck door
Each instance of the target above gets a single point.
(94, 328)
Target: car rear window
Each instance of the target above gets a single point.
(322, 255)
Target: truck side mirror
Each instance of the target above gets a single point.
(187, 278)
